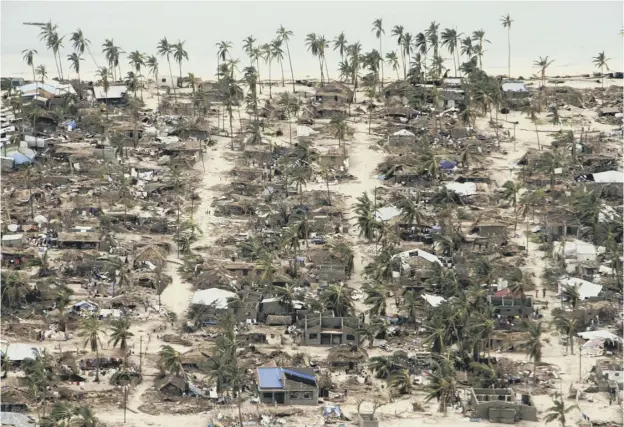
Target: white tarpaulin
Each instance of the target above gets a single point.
(586, 289)
(605, 335)
(609, 177)
(463, 189)
(433, 300)
(217, 297)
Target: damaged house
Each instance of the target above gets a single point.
(287, 386)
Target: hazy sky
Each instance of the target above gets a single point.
(571, 33)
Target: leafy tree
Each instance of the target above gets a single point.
(92, 331)
(558, 411)
(13, 290)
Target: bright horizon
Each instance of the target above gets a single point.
(539, 29)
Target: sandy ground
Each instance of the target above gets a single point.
(363, 161)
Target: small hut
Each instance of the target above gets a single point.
(347, 356)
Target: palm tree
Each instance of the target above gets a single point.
(533, 345)
(41, 72)
(74, 63)
(450, 39)
(137, 60)
(600, 61)
(49, 34)
(365, 216)
(339, 128)
(558, 411)
(29, 55)
(398, 32)
(376, 297)
(337, 298)
(401, 380)
(571, 294)
(442, 387)
(179, 54)
(568, 325)
(467, 48)
(412, 211)
(543, 64)
(421, 45)
(355, 56)
(278, 54)
(411, 305)
(312, 42)
(164, 48)
(479, 36)
(340, 44)
(63, 299)
(170, 361)
(268, 54)
(223, 50)
(284, 35)
(248, 47)
(286, 295)
(81, 43)
(511, 192)
(92, 329)
(111, 52)
(152, 64)
(393, 60)
(119, 336)
(506, 21)
(432, 36)
(379, 31)
(290, 240)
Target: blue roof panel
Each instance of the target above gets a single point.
(270, 378)
(301, 375)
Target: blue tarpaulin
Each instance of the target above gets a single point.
(19, 158)
(447, 164)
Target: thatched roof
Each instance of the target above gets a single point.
(345, 353)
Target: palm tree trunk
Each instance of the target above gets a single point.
(32, 65)
(326, 68)
(537, 134)
(270, 92)
(509, 52)
(231, 129)
(218, 68)
(60, 65)
(259, 80)
(454, 65)
(321, 65)
(282, 67)
(382, 63)
(97, 364)
(175, 95)
(292, 76)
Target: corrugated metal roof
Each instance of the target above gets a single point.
(270, 378)
(114, 92)
(50, 86)
(403, 132)
(387, 213)
(514, 87)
